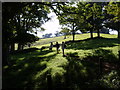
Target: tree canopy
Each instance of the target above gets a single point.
(113, 14)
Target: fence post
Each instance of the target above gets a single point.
(49, 82)
(100, 66)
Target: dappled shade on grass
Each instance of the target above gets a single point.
(93, 43)
(78, 73)
(30, 69)
(24, 51)
(20, 74)
(75, 73)
(84, 73)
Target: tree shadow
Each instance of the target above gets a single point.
(84, 73)
(24, 51)
(33, 51)
(45, 52)
(20, 74)
(93, 43)
(28, 53)
(78, 72)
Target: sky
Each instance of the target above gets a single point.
(50, 26)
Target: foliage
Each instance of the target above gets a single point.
(57, 33)
(82, 16)
(19, 19)
(24, 18)
(65, 31)
(28, 38)
(47, 35)
(111, 80)
(68, 18)
(113, 9)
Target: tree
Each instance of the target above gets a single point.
(67, 14)
(68, 18)
(18, 19)
(32, 16)
(48, 35)
(86, 17)
(113, 9)
(57, 33)
(95, 17)
(65, 31)
(9, 11)
(82, 16)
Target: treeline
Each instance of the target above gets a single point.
(89, 16)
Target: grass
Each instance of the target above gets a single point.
(46, 42)
(79, 69)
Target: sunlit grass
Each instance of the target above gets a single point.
(46, 42)
(37, 64)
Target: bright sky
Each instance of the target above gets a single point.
(51, 26)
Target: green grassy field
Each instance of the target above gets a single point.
(79, 69)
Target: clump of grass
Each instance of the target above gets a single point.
(109, 80)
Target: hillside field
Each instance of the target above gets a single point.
(78, 69)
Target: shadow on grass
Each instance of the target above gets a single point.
(27, 53)
(79, 73)
(20, 74)
(24, 51)
(93, 43)
(85, 73)
(32, 51)
(44, 52)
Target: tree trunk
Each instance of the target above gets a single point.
(12, 47)
(19, 46)
(98, 32)
(118, 33)
(5, 54)
(91, 33)
(73, 36)
(19, 32)
(73, 32)
(22, 47)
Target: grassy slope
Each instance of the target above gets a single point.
(69, 37)
(35, 65)
(40, 43)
